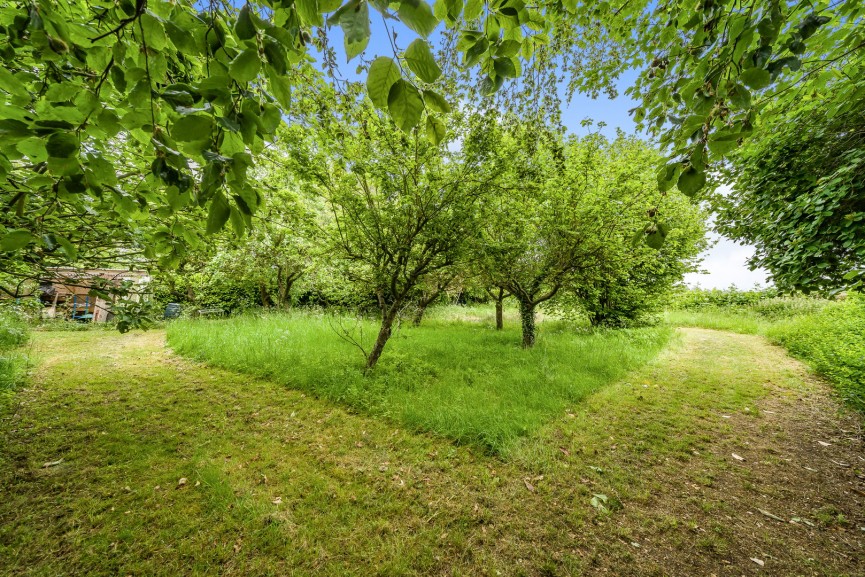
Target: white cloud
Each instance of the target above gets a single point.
(726, 264)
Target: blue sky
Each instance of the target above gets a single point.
(724, 264)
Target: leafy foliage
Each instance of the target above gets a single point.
(833, 342)
(797, 193)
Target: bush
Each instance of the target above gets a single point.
(832, 341)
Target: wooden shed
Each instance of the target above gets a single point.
(67, 293)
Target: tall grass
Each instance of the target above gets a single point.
(832, 341)
(455, 375)
(14, 333)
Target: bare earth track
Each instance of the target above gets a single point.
(722, 457)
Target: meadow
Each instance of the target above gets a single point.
(455, 375)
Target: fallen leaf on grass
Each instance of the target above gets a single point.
(738, 457)
(277, 501)
(529, 486)
(758, 561)
(771, 516)
(824, 443)
(181, 482)
(52, 463)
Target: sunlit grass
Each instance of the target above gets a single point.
(455, 375)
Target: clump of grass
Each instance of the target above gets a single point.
(464, 380)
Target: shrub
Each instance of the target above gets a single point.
(832, 341)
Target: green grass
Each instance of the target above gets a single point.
(455, 375)
(13, 361)
(281, 483)
(720, 320)
(828, 335)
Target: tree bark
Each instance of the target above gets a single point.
(418, 315)
(422, 306)
(266, 301)
(500, 323)
(527, 315)
(383, 335)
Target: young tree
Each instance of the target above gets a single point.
(400, 208)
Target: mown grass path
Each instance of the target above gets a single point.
(173, 468)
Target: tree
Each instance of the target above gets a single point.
(564, 224)
(798, 192)
(431, 289)
(128, 111)
(120, 117)
(400, 208)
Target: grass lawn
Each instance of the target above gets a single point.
(454, 375)
(121, 458)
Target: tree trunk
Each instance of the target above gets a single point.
(383, 335)
(266, 301)
(418, 314)
(422, 306)
(527, 315)
(285, 291)
(500, 324)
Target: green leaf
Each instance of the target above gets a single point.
(473, 9)
(281, 88)
(436, 101)
(275, 55)
(309, 12)
(655, 239)
(67, 248)
(722, 147)
(244, 27)
(15, 240)
(667, 175)
(405, 105)
(504, 67)
(353, 17)
(218, 215)
(418, 16)
(154, 33)
(691, 181)
(62, 145)
(383, 73)
(192, 128)
(756, 78)
(244, 68)
(11, 84)
(420, 60)
(739, 96)
(435, 130)
(508, 48)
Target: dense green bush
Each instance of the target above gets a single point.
(697, 299)
(766, 304)
(832, 341)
